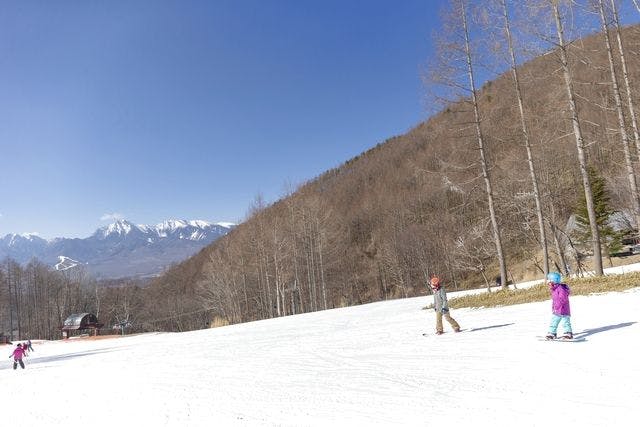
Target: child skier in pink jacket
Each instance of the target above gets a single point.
(17, 356)
(559, 307)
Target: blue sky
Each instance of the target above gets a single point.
(150, 110)
(189, 109)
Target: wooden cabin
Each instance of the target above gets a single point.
(81, 322)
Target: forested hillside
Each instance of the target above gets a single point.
(454, 196)
(380, 224)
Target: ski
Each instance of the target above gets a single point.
(578, 339)
(429, 334)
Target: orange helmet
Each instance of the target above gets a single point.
(435, 282)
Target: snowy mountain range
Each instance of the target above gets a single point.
(121, 249)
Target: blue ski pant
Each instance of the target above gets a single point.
(556, 320)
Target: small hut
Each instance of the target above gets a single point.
(81, 322)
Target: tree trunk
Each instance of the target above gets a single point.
(481, 146)
(10, 300)
(621, 119)
(627, 84)
(577, 131)
(296, 275)
(559, 246)
(527, 142)
(320, 247)
(625, 76)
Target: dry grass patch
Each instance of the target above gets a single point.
(218, 322)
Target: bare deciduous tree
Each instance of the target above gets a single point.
(525, 136)
(481, 145)
(456, 59)
(577, 132)
(622, 126)
(626, 79)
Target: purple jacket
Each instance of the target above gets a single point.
(560, 299)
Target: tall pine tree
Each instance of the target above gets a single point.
(610, 238)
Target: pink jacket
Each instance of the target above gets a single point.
(18, 353)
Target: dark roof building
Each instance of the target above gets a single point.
(79, 322)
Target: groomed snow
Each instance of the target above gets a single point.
(367, 365)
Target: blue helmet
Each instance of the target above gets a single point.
(554, 277)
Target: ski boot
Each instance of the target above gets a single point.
(550, 336)
(567, 336)
(439, 332)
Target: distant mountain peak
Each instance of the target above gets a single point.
(119, 249)
(120, 228)
(195, 230)
(30, 236)
(199, 223)
(15, 239)
(226, 224)
(172, 224)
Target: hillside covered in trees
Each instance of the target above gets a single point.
(416, 205)
(493, 180)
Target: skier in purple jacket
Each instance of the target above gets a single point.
(559, 307)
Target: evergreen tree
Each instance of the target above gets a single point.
(610, 238)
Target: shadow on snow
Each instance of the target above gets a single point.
(31, 360)
(491, 327)
(588, 332)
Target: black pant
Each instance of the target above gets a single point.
(15, 363)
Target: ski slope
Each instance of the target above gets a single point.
(365, 365)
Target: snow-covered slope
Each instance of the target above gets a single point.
(359, 366)
(65, 263)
